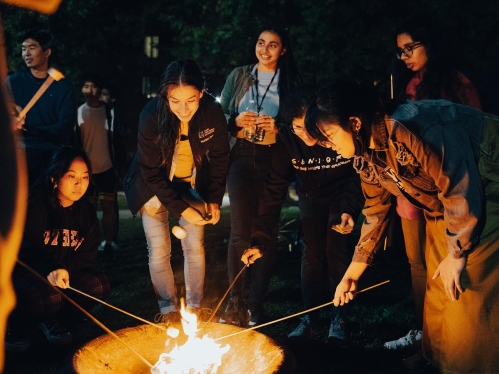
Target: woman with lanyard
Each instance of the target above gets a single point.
(250, 100)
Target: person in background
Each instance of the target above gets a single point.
(426, 68)
(108, 97)
(49, 123)
(250, 100)
(180, 169)
(443, 158)
(330, 200)
(104, 143)
(60, 243)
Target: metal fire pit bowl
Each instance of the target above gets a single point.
(250, 352)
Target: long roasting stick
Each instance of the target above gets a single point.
(86, 313)
(116, 308)
(53, 75)
(296, 314)
(223, 297)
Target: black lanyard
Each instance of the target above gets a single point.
(259, 106)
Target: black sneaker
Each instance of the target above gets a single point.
(338, 335)
(108, 252)
(55, 332)
(16, 340)
(305, 330)
(231, 314)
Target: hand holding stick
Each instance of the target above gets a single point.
(54, 75)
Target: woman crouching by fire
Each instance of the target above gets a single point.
(60, 243)
(443, 158)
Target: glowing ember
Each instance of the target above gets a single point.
(197, 355)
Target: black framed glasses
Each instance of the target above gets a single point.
(296, 130)
(408, 50)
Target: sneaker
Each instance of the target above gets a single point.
(305, 330)
(108, 252)
(55, 332)
(412, 339)
(16, 340)
(168, 318)
(255, 318)
(202, 313)
(231, 314)
(338, 333)
(103, 244)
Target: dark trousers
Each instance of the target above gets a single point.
(249, 165)
(325, 258)
(37, 301)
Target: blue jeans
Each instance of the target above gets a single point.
(325, 258)
(249, 166)
(157, 230)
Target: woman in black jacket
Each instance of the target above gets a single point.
(180, 169)
(60, 242)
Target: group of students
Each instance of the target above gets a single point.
(348, 150)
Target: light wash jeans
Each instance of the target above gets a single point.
(157, 231)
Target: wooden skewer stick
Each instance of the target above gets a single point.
(296, 314)
(118, 309)
(223, 297)
(95, 320)
(54, 75)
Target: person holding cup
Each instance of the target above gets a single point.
(250, 100)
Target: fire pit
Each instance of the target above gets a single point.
(249, 352)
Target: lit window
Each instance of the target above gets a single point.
(151, 44)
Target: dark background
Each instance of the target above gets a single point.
(330, 38)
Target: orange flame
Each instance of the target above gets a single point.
(197, 355)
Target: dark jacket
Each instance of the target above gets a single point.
(147, 178)
(55, 238)
(322, 176)
(52, 119)
(435, 154)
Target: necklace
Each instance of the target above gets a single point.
(259, 105)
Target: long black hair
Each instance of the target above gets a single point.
(177, 73)
(441, 75)
(338, 101)
(45, 189)
(289, 76)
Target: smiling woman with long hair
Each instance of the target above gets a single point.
(180, 169)
(250, 100)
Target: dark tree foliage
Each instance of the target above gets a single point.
(331, 38)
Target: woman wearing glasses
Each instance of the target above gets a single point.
(426, 69)
(329, 196)
(250, 100)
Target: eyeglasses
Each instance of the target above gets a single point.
(408, 50)
(329, 142)
(297, 130)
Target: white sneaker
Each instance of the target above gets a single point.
(412, 339)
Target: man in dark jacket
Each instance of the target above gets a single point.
(48, 124)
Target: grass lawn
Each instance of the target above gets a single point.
(382, 314)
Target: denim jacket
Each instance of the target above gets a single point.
(237, 84)
(432, 152)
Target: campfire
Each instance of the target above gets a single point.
(185, 348)
(196, 355)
